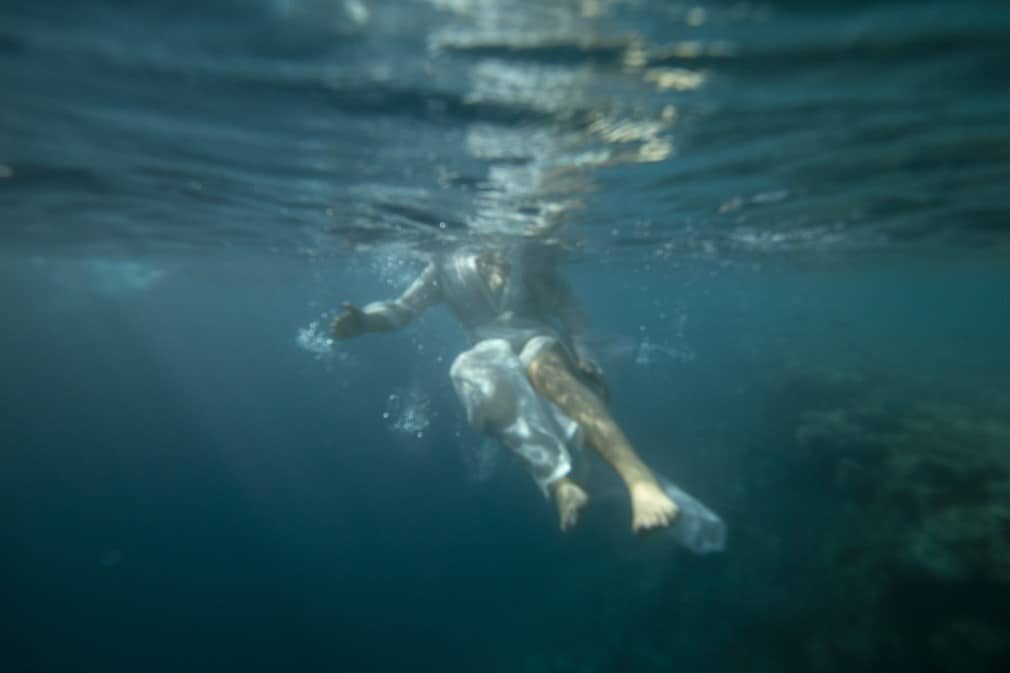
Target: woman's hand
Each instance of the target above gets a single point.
(350, 323)
(592, 373)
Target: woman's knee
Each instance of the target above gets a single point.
(484, 383)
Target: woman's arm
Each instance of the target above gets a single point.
(383, 316)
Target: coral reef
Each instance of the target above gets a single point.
(921, 560)
(938, 474)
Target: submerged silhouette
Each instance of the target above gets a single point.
(530, 381)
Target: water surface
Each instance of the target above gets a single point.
(787, 221)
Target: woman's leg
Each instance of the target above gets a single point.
(552, 377)
(500, 401)
(569, 499)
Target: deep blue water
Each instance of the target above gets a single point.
(788, 224)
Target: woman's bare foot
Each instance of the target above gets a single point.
(650, 507)
(569, 498)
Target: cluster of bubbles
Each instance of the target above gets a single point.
(316, 341)
(675, 347)
(648, 352)
(646, 349)
(395, 266)
(408, 412)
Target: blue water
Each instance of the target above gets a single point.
(788, 224)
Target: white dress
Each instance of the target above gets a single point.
(508, 322)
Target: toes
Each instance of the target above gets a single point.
(642, 525)
(652, 520)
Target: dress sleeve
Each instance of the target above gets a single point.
(424, 292)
